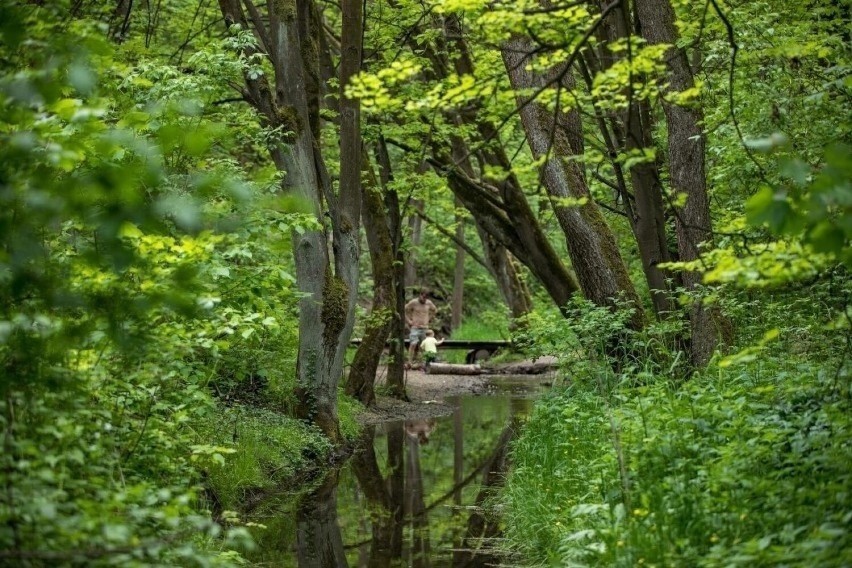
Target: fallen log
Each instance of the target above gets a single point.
(543, 365)
(453, 369)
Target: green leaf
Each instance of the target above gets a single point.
(826, 237)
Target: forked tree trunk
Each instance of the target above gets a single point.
(328, 286)
(497, 258)
(597, 262)
(686, 143)
(502, 209)
(513, 225)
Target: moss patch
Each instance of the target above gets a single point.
(284, 9)
(335, 304)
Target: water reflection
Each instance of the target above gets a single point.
(413, 494)
(318, 538)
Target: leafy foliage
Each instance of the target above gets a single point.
(141, 264)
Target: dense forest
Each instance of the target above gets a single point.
(202, 204)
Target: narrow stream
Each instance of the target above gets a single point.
(411, 495)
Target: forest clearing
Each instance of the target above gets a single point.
(460, 283)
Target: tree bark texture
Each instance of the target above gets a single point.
(362, 373)
(396, 352)
(320, 542)
(415, 227)
(498, 260)
(454, 369)
(507, 274)
(415, 507)
(327, 284)
(372, 484)
(627, 131)
(594, 254)
(516, 229)
(686, 144)
(543, 261)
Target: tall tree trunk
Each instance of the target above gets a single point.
(328, 285)
(119, 23)
(372, 484)
(531, 246)
(597, 262)
(415, 507)
(415, 227)
(396, 484)
(362, 373)
(396, 369)
(631, 130)
(318, 537)
(686, 143)
(497, 258)
(458, 273)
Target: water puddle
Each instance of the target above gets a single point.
(411, 495)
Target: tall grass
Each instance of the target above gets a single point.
(745, 464)
(261, 448)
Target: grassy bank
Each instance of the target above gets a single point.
(256, 451)
(744, 464)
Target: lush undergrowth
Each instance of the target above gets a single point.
(745, 463)
(257, 449)
(254, 451)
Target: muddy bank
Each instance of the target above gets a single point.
(428, 393)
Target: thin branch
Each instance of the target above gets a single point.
(262, 32)
(440, 228)
(731, 104)
(610, 208)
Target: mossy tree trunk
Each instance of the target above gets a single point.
(555, 136)
(396, 352)
(362, 373)
(289, 35)
(318, 537)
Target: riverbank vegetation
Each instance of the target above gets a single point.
(655, 191)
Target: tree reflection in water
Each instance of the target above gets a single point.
(318, 539)
(399, 517)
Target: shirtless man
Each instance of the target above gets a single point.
(418, 315)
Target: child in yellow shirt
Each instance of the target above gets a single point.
(430, 348)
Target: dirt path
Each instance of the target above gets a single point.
(428, 395)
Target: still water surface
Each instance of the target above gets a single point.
(411, 495)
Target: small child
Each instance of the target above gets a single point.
(430, 348)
